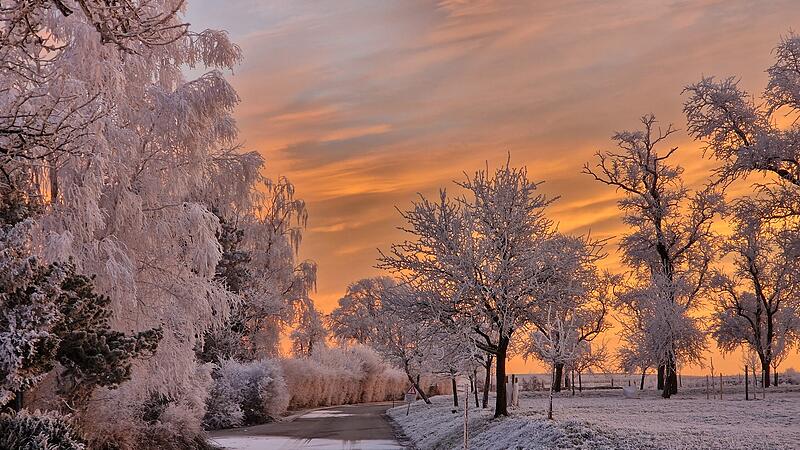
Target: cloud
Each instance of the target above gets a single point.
(365, 104)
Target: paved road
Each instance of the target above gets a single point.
(351, 427)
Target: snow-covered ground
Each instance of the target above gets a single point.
(603, 419)
(288, 443)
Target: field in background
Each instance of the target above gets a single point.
(603, 418)
(733, 383)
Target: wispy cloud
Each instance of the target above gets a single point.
(363, 104)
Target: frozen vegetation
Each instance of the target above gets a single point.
(150, 269)
(603, 419)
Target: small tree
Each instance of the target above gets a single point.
(556, 342)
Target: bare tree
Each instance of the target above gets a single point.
(757, 303)
(558, 341)
(669, 249)
(379, 313)
(484, 253)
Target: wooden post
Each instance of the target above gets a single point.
(746, 384)
(466, 418)
(720, 385)
(707, 395)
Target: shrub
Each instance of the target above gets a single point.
(341, 376)
(37, 430)
(246, 393)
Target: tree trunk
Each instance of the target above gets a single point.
(487, 383)
(455, 392)
(550, 402)
(641, 384)
(670, 380)
(660, 377)
(474, 383)
(501, 403)
(559, 375)
(415, 383)
(580, 383)
(775, 371)
(19, 400)
(766, 369)
(572, 383)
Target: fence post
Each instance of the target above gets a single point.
(720, 385)
(746, 384)
(466, 419)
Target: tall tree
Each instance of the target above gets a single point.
(485, 255)
(757, 303)
(669, 249)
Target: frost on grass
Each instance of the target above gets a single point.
(606, 420)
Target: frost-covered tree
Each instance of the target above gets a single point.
(757, 302)
(383, 315)
(668, 250)
(354, 319)
(309, 332)
(557, 342)
(484, 255)
(746, 136)
(576, 292)
(259, 264)
(51, 318)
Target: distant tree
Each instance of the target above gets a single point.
(757, 303)
(381, 314)
(591, 357)
(355, 317)
(557, 342)
(309, 332)
(669, 249)
(485, 255)
(576, 292)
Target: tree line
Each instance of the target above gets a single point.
(484, 273)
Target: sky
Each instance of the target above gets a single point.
(363, 105)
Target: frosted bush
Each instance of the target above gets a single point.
(37, 430)
(246, 393)
(341, 376)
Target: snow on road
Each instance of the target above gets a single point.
(288, 443)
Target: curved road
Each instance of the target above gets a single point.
(351, 427)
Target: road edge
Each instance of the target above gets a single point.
(399, 434)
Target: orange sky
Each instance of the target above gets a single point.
(362, 104)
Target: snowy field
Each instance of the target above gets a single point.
(603, 419)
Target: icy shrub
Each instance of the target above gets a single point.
(149, 418)
(341, 376)
(246, 393)
(37, 430)
(792, 376)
